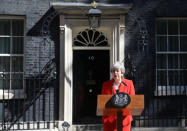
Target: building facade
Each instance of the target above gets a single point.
(52, 64)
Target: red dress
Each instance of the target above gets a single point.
(109, 122)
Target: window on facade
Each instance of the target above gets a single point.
(11, 53)
(171, 57)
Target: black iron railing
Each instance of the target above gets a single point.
(165, 105)
(32, 107)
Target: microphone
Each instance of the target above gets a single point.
(124, 83)
(126, 86)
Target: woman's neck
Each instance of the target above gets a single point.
(117, 82)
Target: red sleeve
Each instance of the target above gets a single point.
(106, 88)
(103, 89)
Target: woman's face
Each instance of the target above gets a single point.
(116, 73)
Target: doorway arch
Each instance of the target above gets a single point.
(70, 27)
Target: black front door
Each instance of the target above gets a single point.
(90, 70)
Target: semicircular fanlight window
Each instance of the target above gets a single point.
(90, 37)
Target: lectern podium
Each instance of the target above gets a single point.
(105, 107)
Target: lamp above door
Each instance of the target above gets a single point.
(94, 16)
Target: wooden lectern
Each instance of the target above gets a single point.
(105, 107)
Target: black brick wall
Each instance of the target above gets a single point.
(140, 18)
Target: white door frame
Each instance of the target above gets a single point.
(74, 15)
(66, 60)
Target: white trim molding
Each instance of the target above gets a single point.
(72, 21)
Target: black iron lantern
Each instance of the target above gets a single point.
(94, 16)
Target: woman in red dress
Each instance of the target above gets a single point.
(117, 84)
